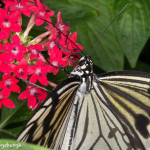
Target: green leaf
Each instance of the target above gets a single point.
(141, 66)
(13, 119)
(132, 28)
(13, 145)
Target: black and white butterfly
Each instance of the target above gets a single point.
(110, 111)
(86, 111)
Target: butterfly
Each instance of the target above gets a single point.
(110, 111)
(89, 111)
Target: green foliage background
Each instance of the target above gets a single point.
(125, 45)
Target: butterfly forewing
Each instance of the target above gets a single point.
(48, 125)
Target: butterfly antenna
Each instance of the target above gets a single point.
(28, 82)
(63, 34)
(110, 25)
(62, 69)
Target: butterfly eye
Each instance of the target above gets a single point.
(90, 57)
(82, 62)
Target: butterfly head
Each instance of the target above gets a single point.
(84, 71)
(84, 68)
(85, 62)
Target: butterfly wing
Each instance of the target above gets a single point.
(116, 113)
(48, 125)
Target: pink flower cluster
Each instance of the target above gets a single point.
(21, 58)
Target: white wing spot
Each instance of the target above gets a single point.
(126, 138)
(35, 117)
(47, 103)
(87, 72)
(83, 67)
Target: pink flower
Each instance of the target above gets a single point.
(42, 11)
(71, 50)
(32, 93)
(39, 72)
(53, 70)
(8, 23)
(50, 44)
(61, 26)
(37, 105)
(5, 101)
(15, 50)
(35, 51)
(73, 46)
(19, 5)
(4, 67)
(18, 59)
(21, 71)
(9, 84)
(55, 33)
(55, 60)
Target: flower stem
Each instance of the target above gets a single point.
(30, 25)
(52, 84)
(40, 37)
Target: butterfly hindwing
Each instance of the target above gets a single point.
(97, 127)
(115, 114)
(127, 95)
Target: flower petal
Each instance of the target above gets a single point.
(16, 40)
(2, 13)
(6, 76)
(16, 28)
(1, 47)
(39, 21)
(33, 78)
(8, 103)
(14, 16)
(23, 95)
(31, 102)
(26, 12)
(4, 34)
(1, 84)
(8, 47)
(43, 79)
(6, 91)
(23, 62)
(5, 68)
(30, 69)
(15, 88)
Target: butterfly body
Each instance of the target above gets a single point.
(87, 111)
(84, 71)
